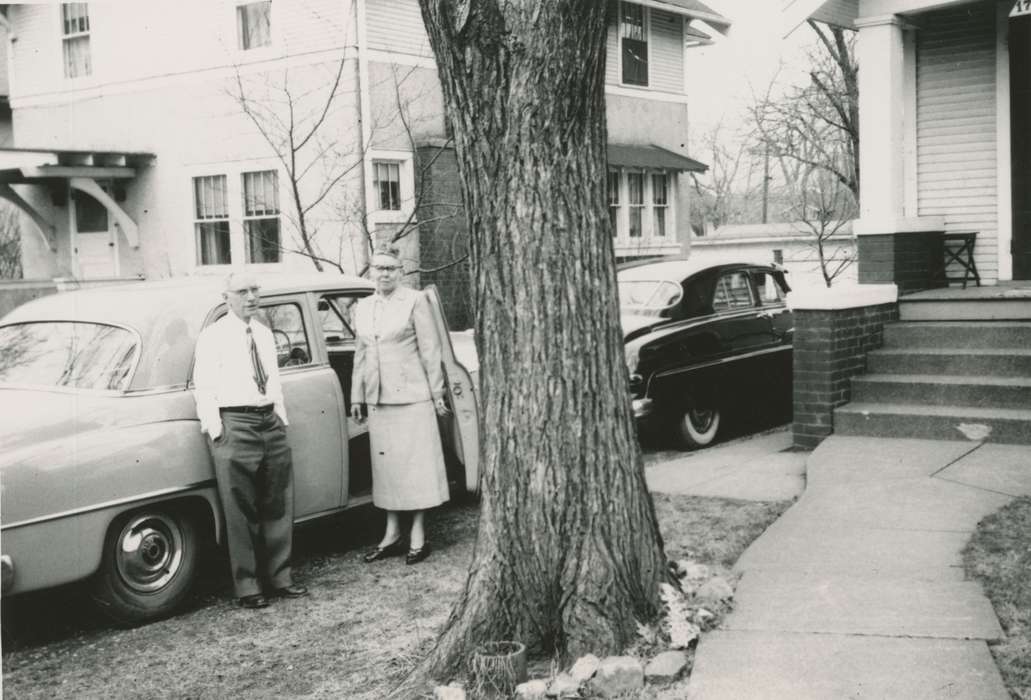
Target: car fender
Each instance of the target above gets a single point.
(72, 487)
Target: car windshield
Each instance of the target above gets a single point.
(67, 354)
(648, 297)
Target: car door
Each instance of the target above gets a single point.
(463, 425)
(741, 327)
(772, 288)
(314, 407)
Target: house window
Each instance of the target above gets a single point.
(211, 206)
(261, 216)
(660, 203)
(75, 39)
(613, 191)
(254, 25)
(635, 200)
(386, 182)
(633, 39)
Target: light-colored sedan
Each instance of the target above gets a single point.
(104, 472)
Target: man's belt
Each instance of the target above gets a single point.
(247, 409)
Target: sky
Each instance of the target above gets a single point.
(722, 77)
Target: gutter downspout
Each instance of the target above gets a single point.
(364, 109)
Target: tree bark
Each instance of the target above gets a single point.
(568, 554)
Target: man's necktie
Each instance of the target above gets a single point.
(260, 378)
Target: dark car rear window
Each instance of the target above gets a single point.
(67, 354)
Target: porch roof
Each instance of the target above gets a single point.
(636, 156)
(32, 165)
(692, 9)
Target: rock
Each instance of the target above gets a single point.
(617, 675)
(585, 668)
(693, 571)
(666, 667)
(715, 589)
(703, 616)
(564, 686)
(532, 690)
(448, 692)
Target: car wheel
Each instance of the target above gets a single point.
(697, 427)
(148, 566)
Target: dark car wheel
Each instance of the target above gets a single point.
(697, 427)
(149, 564)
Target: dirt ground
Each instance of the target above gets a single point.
(354, 637)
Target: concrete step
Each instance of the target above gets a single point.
(988, 309)
(943, 390)
(958, 334)
(1003, 425)
(1010, 362)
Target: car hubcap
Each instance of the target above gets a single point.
(150, 552)
(701, 418)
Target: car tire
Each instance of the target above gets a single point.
(697, 427)
(149, 564)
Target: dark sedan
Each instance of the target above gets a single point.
(701, 339)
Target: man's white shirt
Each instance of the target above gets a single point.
(224, 376)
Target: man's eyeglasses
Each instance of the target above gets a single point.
(243, 291)
(386, 268)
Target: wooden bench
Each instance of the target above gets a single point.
(958, 247)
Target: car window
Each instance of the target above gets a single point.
(733, 292)
(335, 319)
(287, 325)
(770, 292)
(67, 354)
(648, 297)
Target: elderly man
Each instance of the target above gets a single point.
(240, 406)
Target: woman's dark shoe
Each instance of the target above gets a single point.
(415, 556)
(253, 602)
(294, 590)
(393, 549)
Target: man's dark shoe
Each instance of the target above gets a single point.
(415, 556)
(395, 548)
(253, 602)
(294, 590)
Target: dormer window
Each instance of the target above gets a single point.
(633, 41)
(75, 39)
(254, 25)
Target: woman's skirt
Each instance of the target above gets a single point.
(408, 471)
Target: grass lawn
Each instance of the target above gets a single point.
(999, 556)
(357, 634)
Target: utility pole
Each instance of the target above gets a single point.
(766, 181)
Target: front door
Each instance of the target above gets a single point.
(96, 248)
(1020, 140)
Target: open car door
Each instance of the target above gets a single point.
(458, 385)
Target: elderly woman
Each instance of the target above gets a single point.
(397, 377)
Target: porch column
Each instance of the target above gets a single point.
(894, 244)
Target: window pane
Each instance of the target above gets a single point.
(635, 188)
(210, 197)
(635, 222)
(77, 57)
(261, 193)
(262, 240)
(254, 25)
(613, 187)
(90, 215)
(659, 189)
(659, 229)
(634, 44)
(68, 354)
(733, 292)
(213, 243)
(287, 326)
(387, 183)
(75, 17)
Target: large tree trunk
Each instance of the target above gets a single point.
(568, 554)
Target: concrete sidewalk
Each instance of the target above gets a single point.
(858, 590)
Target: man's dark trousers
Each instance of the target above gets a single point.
(255, 482)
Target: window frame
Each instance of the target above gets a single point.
(248, 218)
(200, 221)
(636, 207)
(658, 207)
(646, 31)
(79, 36)
(406, 187)
(261, 49)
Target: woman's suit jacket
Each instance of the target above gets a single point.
(397, 351)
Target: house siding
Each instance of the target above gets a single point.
(396, 26)
(956, 125)
(665, 52)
